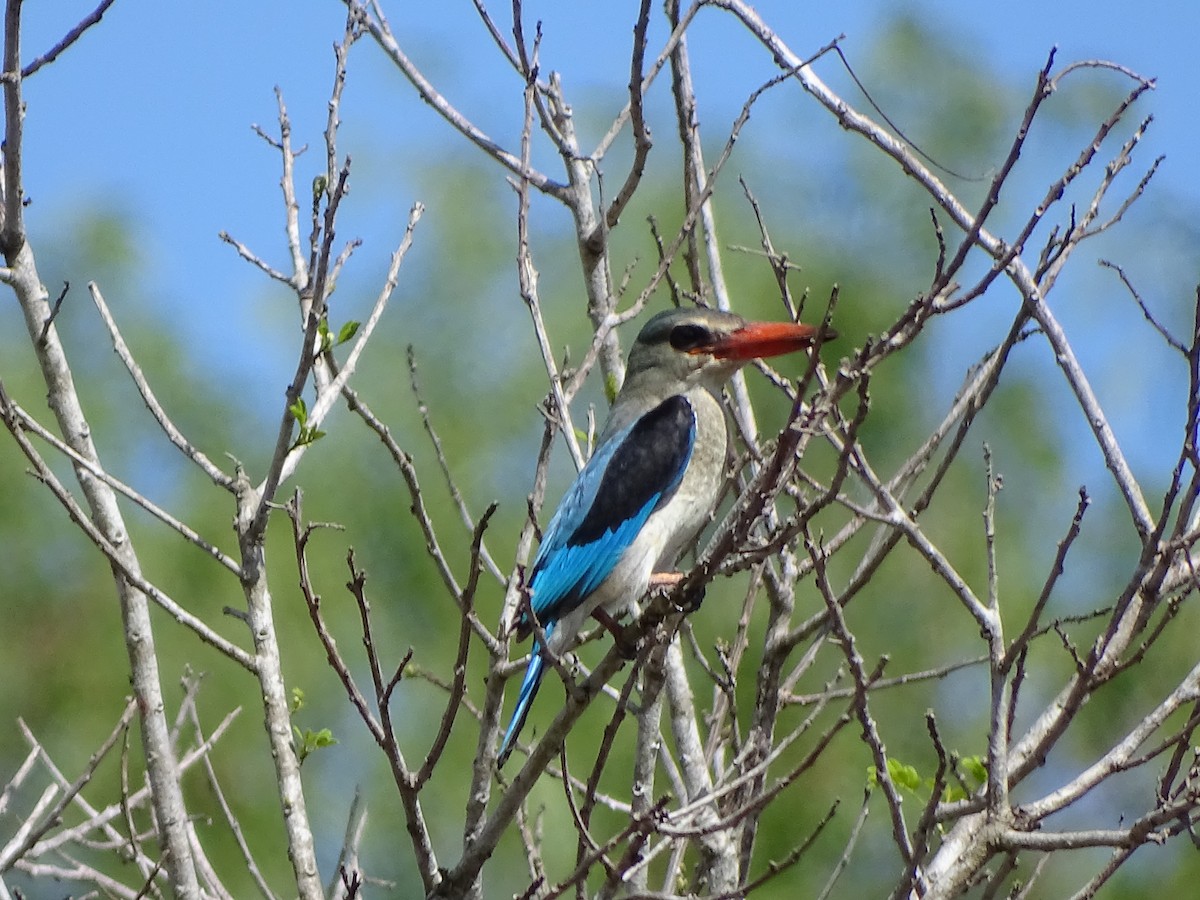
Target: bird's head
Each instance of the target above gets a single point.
(682, 347)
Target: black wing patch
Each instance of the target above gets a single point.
(645, 469)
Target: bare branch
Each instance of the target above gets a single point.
(68, 39)
(174, 435)
(377, 26)
(1171, 340)
(38, 824)
(14, 420)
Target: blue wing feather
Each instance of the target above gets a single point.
(560, 570)
(629, 476)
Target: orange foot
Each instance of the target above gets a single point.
(665, 579)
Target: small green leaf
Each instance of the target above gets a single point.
(308, 741)
(324, 336)
(975, 767)
(307, 436)
(319, 185)
(953, 793)
(297, 699)
(307, 433)
(322, 738)
(611, 388)
(903, 775)
(348, 331)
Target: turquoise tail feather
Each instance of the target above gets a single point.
(529, 689)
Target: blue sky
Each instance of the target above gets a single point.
(150, 114)
(154, 105)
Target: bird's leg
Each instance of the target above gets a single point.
(667, 581)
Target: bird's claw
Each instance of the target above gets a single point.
(669, 581)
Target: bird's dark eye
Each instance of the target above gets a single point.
(689, 337)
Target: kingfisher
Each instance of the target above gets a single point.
(651, 484)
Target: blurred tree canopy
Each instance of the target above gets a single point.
(458, 331)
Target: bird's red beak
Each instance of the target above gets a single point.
(757, 340)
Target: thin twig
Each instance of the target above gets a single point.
(68, 39)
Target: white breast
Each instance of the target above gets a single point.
(668, 530)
